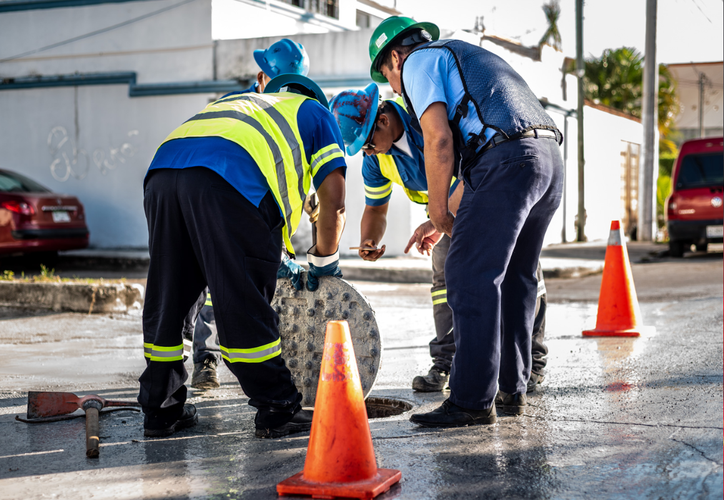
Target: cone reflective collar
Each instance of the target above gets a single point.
(619, 314)
(340, 456)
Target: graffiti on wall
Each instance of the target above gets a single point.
(71, 161)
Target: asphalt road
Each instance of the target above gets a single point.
(615, 418)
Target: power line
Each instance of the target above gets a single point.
(97, 32)
(702, 12)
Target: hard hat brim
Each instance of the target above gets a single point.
(431, 28)
(280, 81)
(374, 92)
(263, 65)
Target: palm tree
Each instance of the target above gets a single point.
(552, 36)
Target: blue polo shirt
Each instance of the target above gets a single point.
(431, 75)
(317, 128)
(378, 188)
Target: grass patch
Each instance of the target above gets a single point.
(48, 275)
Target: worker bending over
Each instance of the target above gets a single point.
(394, 154)
(222, 197)
(281, 58)
(482, 124)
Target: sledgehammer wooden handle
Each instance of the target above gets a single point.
(92, 430)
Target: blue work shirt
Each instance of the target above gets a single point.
(317, 128)
(410, 168)
(431, 75)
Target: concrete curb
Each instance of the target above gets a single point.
(76, 297)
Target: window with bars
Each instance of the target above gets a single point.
(329, 8)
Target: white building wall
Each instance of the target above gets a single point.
(93, 142)
(173, 45)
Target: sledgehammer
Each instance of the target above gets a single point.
(49, 406)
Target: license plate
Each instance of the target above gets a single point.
(714, 231)
(61, 217)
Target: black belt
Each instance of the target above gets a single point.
(500, 139)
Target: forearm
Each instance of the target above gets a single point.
(374, 223)
(332, 215)
(439, 170)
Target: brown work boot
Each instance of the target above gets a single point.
(510, 404)
(205, 376)
(434, 381)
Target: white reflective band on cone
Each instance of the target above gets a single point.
(614, 238)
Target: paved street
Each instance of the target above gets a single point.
(615, 418)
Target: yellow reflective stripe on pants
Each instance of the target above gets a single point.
(378, 192)
(439, 297)
(163, 353)
(208, 300)
(253, 355)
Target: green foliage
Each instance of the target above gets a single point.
(663, 190)
(46, 273)
(552, 35)
(7, 276)
(666, 163)
(616, 80)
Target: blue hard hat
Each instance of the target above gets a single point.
(282, 57)
(298, 84)
(356, 111)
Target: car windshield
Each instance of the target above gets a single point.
(11, 182)
(701, 170)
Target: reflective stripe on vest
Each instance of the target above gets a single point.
(253, 355)
(388, 167)
(162, 353)
(266, 127)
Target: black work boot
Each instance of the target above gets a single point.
(160, 427)
(535, 379)
(204, 376)
(451, 415)
(510, 404)
(300, 422)
(435, 381)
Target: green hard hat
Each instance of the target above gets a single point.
(388, 30)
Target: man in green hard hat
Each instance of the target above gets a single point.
(482, 124)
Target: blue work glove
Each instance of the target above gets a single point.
(290, 269)
(321, 266)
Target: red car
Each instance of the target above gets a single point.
(694, 210)
(34, 219)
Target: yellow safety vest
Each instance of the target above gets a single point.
(388, 167)
(265, 125)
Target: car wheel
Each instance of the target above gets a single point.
(676, 248)
(701, 247)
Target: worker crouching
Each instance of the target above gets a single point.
(223, 195)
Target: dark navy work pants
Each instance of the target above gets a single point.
(511, 194)
(442, 347)
(203, 232)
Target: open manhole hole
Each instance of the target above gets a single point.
(385, 407)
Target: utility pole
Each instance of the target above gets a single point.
(580, 71)
(702, 81)
(647, 178)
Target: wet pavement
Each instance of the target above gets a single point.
(615, 417)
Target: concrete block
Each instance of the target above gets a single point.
(72, 296)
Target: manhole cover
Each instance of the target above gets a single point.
(385, 407)
(303, 317)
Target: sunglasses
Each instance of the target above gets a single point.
(369, 145)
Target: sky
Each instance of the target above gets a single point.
(687, 30)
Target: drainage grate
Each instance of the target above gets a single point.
(386, 407)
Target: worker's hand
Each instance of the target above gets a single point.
(321, 266)
(290, 269)
(443, 223)
(424, 238)
(371, 255)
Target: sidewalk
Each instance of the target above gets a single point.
(571, 260)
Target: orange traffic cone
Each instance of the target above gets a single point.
(619, 314)
(340, 458)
